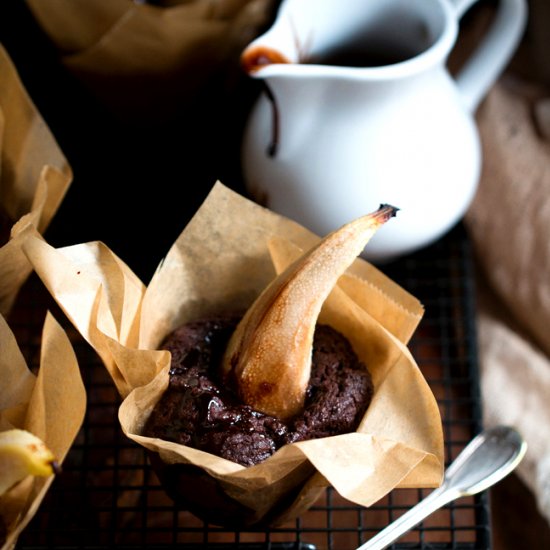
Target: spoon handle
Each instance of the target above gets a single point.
(435, 500)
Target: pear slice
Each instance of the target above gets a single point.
(23, 454)
(268, 356)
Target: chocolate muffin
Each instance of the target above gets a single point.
(201, 410)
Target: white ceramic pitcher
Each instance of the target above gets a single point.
(360, 109)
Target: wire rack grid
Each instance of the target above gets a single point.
(107, 495)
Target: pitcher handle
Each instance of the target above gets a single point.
(490, 57)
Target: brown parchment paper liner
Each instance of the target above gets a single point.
(220, 263)
(132, 55)
(34, 176)
(50, 404)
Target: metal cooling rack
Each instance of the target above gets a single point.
(108, 497)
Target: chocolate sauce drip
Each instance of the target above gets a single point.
(274, 144)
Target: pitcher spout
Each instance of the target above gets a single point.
(257, 57)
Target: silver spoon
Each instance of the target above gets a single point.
(488, 458)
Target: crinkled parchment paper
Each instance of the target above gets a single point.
(50, 404)
(220, 263)
(133, 54)
(34, 176)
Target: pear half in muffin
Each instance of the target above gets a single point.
(269, 354)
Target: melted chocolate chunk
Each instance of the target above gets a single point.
(200, 411)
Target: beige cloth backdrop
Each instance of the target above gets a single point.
(509, 222)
